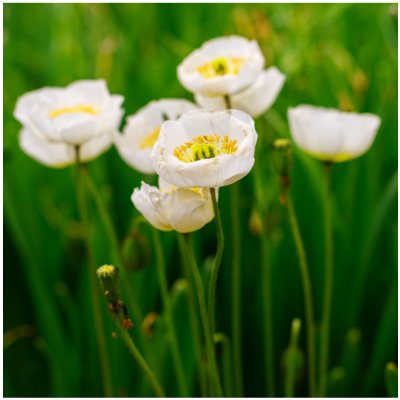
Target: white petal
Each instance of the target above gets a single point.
(330, 134)
(219, 171)
(95, 146)
(260, 96)
(148, 200)
(57, 155)
(215, 103)
(231, 46)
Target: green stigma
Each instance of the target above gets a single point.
(220, 65)
(203, 151)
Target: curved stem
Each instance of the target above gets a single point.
(95, 293)
(216, 386)
(305, 276)
(162, 277)
(141, 362)
(194, 319)
(324, 353)
(217, 262)
(226, 362)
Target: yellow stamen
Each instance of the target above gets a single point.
(203, 147)
(149, 140)
(221, 66)
(73, 110)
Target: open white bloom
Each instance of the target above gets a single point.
(255, 99)
(205, 149)
(332, 135)
(58, 120)
(142, 129)
(221, 66)
(169, 208)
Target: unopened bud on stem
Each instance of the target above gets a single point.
(282, 163)
(108, 277)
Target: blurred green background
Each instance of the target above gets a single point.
(334, 55)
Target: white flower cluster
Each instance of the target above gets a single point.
(191, 147)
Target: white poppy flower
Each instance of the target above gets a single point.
(57, 120)
(169, 208)
(142, 129)
(205, 149)
(332, 135)
(221, 66)
(255, 100)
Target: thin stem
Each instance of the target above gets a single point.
(217, 262)
(94, 289)
(226, 362)
(194, 319)
(269, 339)
(305, 276)
(141, 362)
(162, 277)
(324, 353)
(216, 386)
(236, 289)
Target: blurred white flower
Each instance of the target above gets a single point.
(205, 149)
(332, 135)
(169, 208)
(255, 99)
(58, 120)
(221, 66)
(142, 129)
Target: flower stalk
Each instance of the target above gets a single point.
(108, 278)
(97, 314)
(324, 352)
(216, 383)
(176, 354)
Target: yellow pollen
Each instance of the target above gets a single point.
(203, 147)
(221, 66)
(73, 110)
(106, 271)
(149, 140)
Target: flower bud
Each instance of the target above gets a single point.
(108, 277)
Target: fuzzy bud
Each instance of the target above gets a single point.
(108, 277)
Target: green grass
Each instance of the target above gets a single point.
(335, 55)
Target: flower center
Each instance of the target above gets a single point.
(204, 147)
(149, 140)
(79, 108)
(221, 66)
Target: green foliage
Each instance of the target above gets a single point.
(335, 55)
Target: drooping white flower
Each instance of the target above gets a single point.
(221, 66)
(332, 135)
(255, 99)
(58, 120)
(205, 149)
(142, 129)
(169, 208)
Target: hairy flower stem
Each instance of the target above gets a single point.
(216, 383)
(95, 293)
(140, 361)
(236, 279)
(162, 277)
(212, 288)
(324, 352)
(309, 308)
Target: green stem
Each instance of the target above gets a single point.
(95, 293)
(217, 262)
(216, 386)
(236, 292)
(194, 315)
(226, 362)
(269, 339)
(307, 289)
(141, 362)
(324, 353)
(162, 277)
